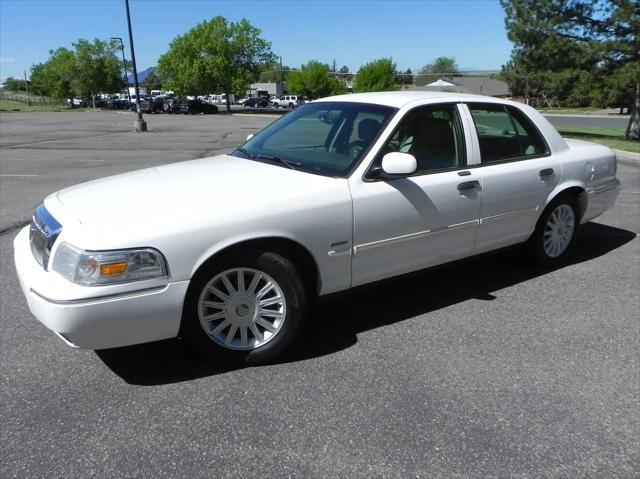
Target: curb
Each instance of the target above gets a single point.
(627, 155)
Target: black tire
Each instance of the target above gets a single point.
(288, 279)
(536, 243)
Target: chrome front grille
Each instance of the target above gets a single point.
(43, 232)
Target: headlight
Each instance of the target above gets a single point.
(107, 267)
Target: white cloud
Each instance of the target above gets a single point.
(7, 59)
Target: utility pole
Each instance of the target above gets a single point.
(124, 66)
(140, 124)
(26, 90)
(281, 81)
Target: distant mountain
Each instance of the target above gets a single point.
(142, 75)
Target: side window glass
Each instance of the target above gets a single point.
(505, 133)
(531, 140)
(433, 135)
(496, 133)
(366, 126)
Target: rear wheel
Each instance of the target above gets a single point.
(245, 309)
(554, 237)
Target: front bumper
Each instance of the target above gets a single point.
(99, 321)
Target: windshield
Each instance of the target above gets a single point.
(326, 138)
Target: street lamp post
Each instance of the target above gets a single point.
(124, 66)
(140, 124)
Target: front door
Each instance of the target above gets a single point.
(431, 217)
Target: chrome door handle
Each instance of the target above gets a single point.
(546, 172)
(468, 185)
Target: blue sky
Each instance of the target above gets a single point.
(413, 33)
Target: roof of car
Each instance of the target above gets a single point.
(398, 99)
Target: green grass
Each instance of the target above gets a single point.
(568, 111)
(611, 137)
(10, 105)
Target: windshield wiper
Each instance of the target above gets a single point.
(244, 152)
(288, 163)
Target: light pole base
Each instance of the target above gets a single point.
(140, 125)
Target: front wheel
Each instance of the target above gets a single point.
(553, 240)
(244, 309)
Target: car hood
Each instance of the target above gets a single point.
(181, 196)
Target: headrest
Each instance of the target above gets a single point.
(367, 129)
(436, 131)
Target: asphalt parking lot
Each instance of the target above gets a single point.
(488, 368)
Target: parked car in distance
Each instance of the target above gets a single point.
(228, 252)
(76, 102)
(288, 101)
(172, 105)
(254, 102)
(197, 106)
(152, 104)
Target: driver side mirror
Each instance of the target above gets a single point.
(397, 163)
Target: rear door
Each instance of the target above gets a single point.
(517, 173)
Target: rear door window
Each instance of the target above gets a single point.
(505, 133)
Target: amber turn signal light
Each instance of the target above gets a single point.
(112, 268)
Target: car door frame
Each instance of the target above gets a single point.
(365, 270)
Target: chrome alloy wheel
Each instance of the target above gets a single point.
(559, 230)
(242, 308)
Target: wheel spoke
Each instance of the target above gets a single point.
(265, 289)
(266, 325)
(243, 335)
(228, 285)
(256, 332)
(254, 283)
(270, 301)
(231, 334)
(221, 326)
(216, 292)
(241, 281)
(271, 313)
(213, 304)
(213, 317)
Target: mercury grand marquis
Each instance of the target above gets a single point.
(228, 252)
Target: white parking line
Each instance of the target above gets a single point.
(17, 175)
(49, 159)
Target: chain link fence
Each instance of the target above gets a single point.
(29, 99)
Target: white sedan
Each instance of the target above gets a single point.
(229, 251)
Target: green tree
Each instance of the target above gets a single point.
(152, 82)
(270, 72)
(215, 54)
(437, 68)
(441, 66)
(15, 84)
(378, 75)
(315, 81)
(571, 50)
(344, 75)
(405, 78)
(56, 77)
(98, 68)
